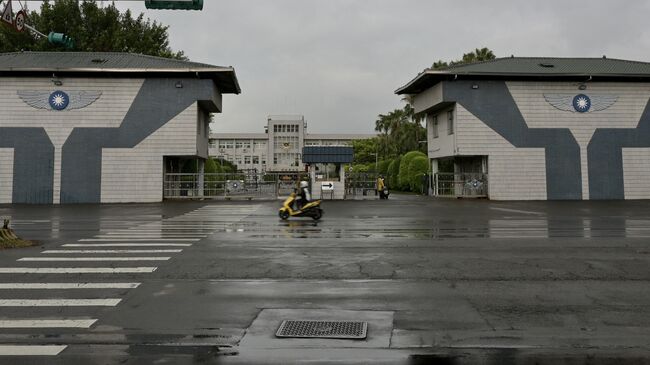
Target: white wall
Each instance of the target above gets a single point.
(108, 111)
(513, 173)
(445, 144)
(6, 174)
(137, 174)
(428, 98)
(625, 113)
(636, 170)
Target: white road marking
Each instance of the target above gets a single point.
(50, 259)
(138, 239)
(52, 286)
(517, 211)
(47, 323)
(76, 270)
(29, 350)
(127, 245)
(109, 251)
(150, 235)
(110, 302)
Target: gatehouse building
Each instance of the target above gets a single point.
(538, 128)
(81, 127)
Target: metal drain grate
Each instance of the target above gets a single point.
(323, 329)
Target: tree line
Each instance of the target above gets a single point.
(94, 28)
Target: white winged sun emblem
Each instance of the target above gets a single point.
(581, 103)
(59, 100)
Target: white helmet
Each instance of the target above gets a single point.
(303, 184)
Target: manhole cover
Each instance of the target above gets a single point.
(323, 329)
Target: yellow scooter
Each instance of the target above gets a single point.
(311, 209)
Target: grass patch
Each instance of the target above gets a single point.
(15, 244)
(8, 238)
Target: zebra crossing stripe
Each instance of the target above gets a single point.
(127, 239)
(54, 286)
(31, 350)
(110, 302)
(127, 245)
(51, 259)
(108, 251)
(76, 270)
(47, 323)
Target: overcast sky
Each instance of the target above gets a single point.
(338, 62)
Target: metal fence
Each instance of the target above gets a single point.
(466, 185)
(361, 186)
(231, 185)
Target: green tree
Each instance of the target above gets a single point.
(383, 166)
(211, 166)
(393, 172)
(365, 150)
(94, 28)
(418, 167)
(477, 55)
(403, 176)
(401, 131)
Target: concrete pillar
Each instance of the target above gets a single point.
(434, 171)
(201, 179)
(342, 175)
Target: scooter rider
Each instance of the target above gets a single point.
(305, 196)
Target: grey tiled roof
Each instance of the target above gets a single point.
(554, 66)
(538, 67)
(113, 62)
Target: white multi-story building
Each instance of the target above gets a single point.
(279, 149)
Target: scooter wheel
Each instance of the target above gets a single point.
(318, 214)
(284, 215)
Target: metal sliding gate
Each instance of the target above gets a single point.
(465, 185)
(244, 185)
(361, 186)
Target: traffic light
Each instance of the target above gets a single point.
(174, 4)
(60, 39)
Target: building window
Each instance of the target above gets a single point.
(434, 126)
(450, 122)
(247, 160)
(256, 160)
(275, 158)
(229, 144)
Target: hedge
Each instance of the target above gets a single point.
(403, 180)
(418, 167)
(393, 171)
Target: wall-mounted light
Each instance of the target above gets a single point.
(582, 87)
(475, 86)
(179, 84)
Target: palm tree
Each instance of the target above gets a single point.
(484, 54)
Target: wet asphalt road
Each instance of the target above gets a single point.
(439, 281)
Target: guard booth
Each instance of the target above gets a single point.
(326, 172)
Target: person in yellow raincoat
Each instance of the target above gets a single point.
(381, 187)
